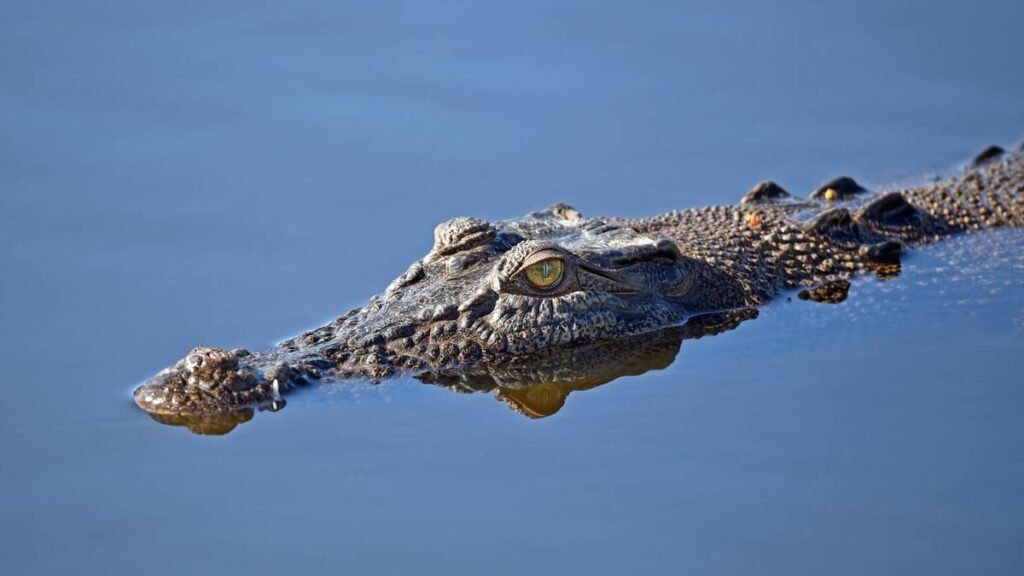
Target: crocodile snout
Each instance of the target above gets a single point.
(206, 380)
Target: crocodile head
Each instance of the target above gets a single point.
(486, 293)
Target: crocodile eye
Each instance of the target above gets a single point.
(544, 274)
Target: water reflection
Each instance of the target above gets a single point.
(535, 386)
(538, 386)
(217, 423)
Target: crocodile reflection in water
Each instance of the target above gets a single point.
(535, 385)
(490, 295)
(213, 424)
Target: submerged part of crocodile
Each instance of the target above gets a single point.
(489, 298)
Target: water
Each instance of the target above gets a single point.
(175, 174)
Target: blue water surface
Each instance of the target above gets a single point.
(233, 173)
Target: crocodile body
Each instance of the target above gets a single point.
(491, 299)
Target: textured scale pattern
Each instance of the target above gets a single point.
(466, 307)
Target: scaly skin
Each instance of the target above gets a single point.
(466, 313)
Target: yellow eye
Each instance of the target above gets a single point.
(545, 274)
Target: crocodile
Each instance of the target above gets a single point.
(494, 304)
